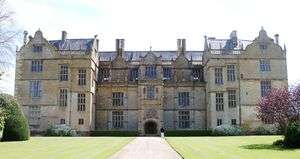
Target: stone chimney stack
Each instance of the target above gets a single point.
(63, 35)
(25, 37)
(120, 46)
(181, 46)
(276, 39)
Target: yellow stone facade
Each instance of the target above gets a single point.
(146, 90)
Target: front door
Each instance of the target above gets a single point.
(150, 128)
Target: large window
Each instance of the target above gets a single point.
(150, 72)
(81, 102)
(265, 86)
(231, 98)
(265, 65)
(183, 98)
(117, 98)
(117, 119)
(134, 74)
(197, 74)
(34, 116)
(37, 48)
(184, 119)
(81, 77)
(35, 89)
(64, 72)
(150, 92)
(219, 75)
(167, 72)
(63, 97)
(219, 102)
(36, 66)
(230, 72)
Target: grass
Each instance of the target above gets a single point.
(241, 147)
(63, 147)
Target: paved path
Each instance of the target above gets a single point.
(147, 148)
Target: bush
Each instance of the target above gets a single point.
(60, 130)
(114, 133)
(278, 142)
(265, 131)
(292, 135)
(188, 133)
(15, 124)
(227, 130)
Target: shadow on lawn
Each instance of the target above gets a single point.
(265, 147)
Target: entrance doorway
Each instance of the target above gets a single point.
(150, 128)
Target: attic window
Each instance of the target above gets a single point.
(37, 48)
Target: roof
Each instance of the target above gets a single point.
(73, 44)
(138, 55)
(227, 44)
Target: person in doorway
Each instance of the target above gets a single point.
(162, 132)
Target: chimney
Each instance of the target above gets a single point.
(276, 39)
(63, 35)
(120, 46)
(25, 37)
(181, 46)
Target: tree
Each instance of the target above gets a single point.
(280, 106)
(8, 37)
(15, 124)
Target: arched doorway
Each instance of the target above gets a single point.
(150, 127)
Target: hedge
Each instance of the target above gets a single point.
(114, 133)
(15, 124)
(292, 135)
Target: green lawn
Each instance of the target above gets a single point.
(63, 147)
(245, 147)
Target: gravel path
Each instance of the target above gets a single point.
(147, 148)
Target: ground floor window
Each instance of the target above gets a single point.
(219, 122)
(80, 121)
(62, 121)
(34, 116)
(184, 119)
(117, 119)
(233, 121)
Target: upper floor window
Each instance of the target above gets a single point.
(263, 46)
(81, 77)
(117, 98)
(265, 87)
(150, 92)
(197, 74)
(150, 72)
(230, 72)
(219, 102)
(35, 89)
(37, 48)
(134, 74)
(37, 66)
(80, 121)
(231, 98)
(167, 72)
(184, 119)
(104, 74)
(81, 102)
(117, 119)
(64, 73)
(218, 75)
(265, 65)
(63, 97)
(183, 98)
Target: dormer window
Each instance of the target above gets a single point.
(263, 46)
(37, 48)
(134, 74)
(197, 74)
(104, 74)
(150, 72)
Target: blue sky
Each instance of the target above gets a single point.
(160, 22)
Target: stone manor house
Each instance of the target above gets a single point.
(71, 81)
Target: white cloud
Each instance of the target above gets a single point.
(161, 22)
